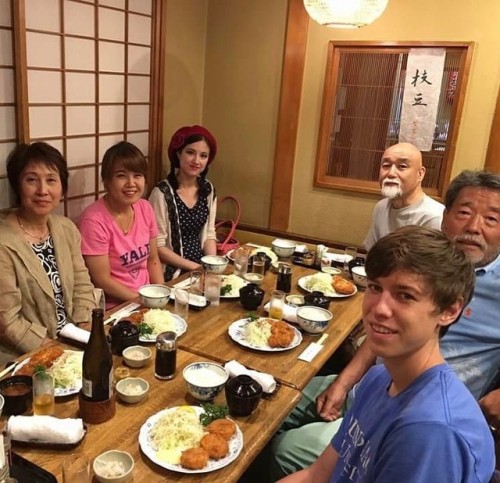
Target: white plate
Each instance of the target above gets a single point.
(303, 281)
(235, 293)
(237, 332)
(179, 328)
(235, 446)
(60, 391)
(266, 250)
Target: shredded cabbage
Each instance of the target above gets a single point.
(235, 282)
(159, 320)
(175, 432)
(67, 369)
(258, 332)
(321, 282)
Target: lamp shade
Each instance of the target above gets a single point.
(345, 13)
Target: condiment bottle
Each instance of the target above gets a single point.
(284, 280)
(97, 368)
(166, 355)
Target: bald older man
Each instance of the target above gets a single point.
(405, 203)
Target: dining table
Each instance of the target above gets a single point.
(206, 339)
(208, 336)
(122, 431)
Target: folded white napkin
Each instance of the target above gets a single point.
(289, 312)
(45, 429)
(265, 380)
(71, 331)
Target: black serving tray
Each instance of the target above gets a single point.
(27, 472)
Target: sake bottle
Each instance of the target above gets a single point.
(97, 370)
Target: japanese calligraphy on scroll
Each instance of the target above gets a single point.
(424, 73)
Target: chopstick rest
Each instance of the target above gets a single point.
(312, 350)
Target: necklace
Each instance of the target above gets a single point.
(124, 225)
(36, 237)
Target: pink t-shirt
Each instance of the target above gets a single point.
(128, 254)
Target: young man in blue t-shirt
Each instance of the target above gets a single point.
(412, 419)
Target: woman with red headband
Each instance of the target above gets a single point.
(185, 202)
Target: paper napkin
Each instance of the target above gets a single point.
(71, 331)
(265, 380)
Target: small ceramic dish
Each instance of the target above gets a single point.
(295, 299)
(136, 356)
(331, 270)
(132, 389)
(255, 278)
(113, 467)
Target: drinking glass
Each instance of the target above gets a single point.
(240, 262)
(277, 304)
(325, 262)
(259, 264)
(213, 283)
(196, 282)
(43, 393)
(350, 253)
(76, 469)
(181, 307)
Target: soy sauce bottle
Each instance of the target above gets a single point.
(166, 355)
(97, 369)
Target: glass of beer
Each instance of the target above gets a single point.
(276, 305)
(43, 393)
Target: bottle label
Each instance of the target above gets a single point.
(87, 388)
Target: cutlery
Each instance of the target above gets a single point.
(10, 368)
(311, 351)
(123, 312)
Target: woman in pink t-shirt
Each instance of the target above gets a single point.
(119, 230)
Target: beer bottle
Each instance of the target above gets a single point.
(97, 370)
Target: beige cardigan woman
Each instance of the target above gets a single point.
(27, 305)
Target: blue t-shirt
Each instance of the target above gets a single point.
(472, 345)
(433, 431)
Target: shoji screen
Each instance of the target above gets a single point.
(89, 71)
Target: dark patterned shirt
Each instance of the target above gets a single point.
(192, 221)
(46, 254)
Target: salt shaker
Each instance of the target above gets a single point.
(166, 355)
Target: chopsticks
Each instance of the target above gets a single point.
(312, 350)
(9, 369)
(124, 312)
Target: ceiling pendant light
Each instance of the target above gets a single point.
(345, 13)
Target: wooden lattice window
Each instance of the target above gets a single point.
(361, 113)
(81, 75)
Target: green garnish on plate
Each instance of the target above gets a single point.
(145, 329)
(213, 412)
(225, 289)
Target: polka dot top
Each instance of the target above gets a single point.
(192, 221)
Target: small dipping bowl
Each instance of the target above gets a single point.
(204, 380)
(295, 299)
(136, 356)
(331, 270)
(17, 392)
(154, 296)
(110, 457)
(359, 276)
(132, 389)
(255, 278)
(313, 320)
(214, 263)
(283, 248)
